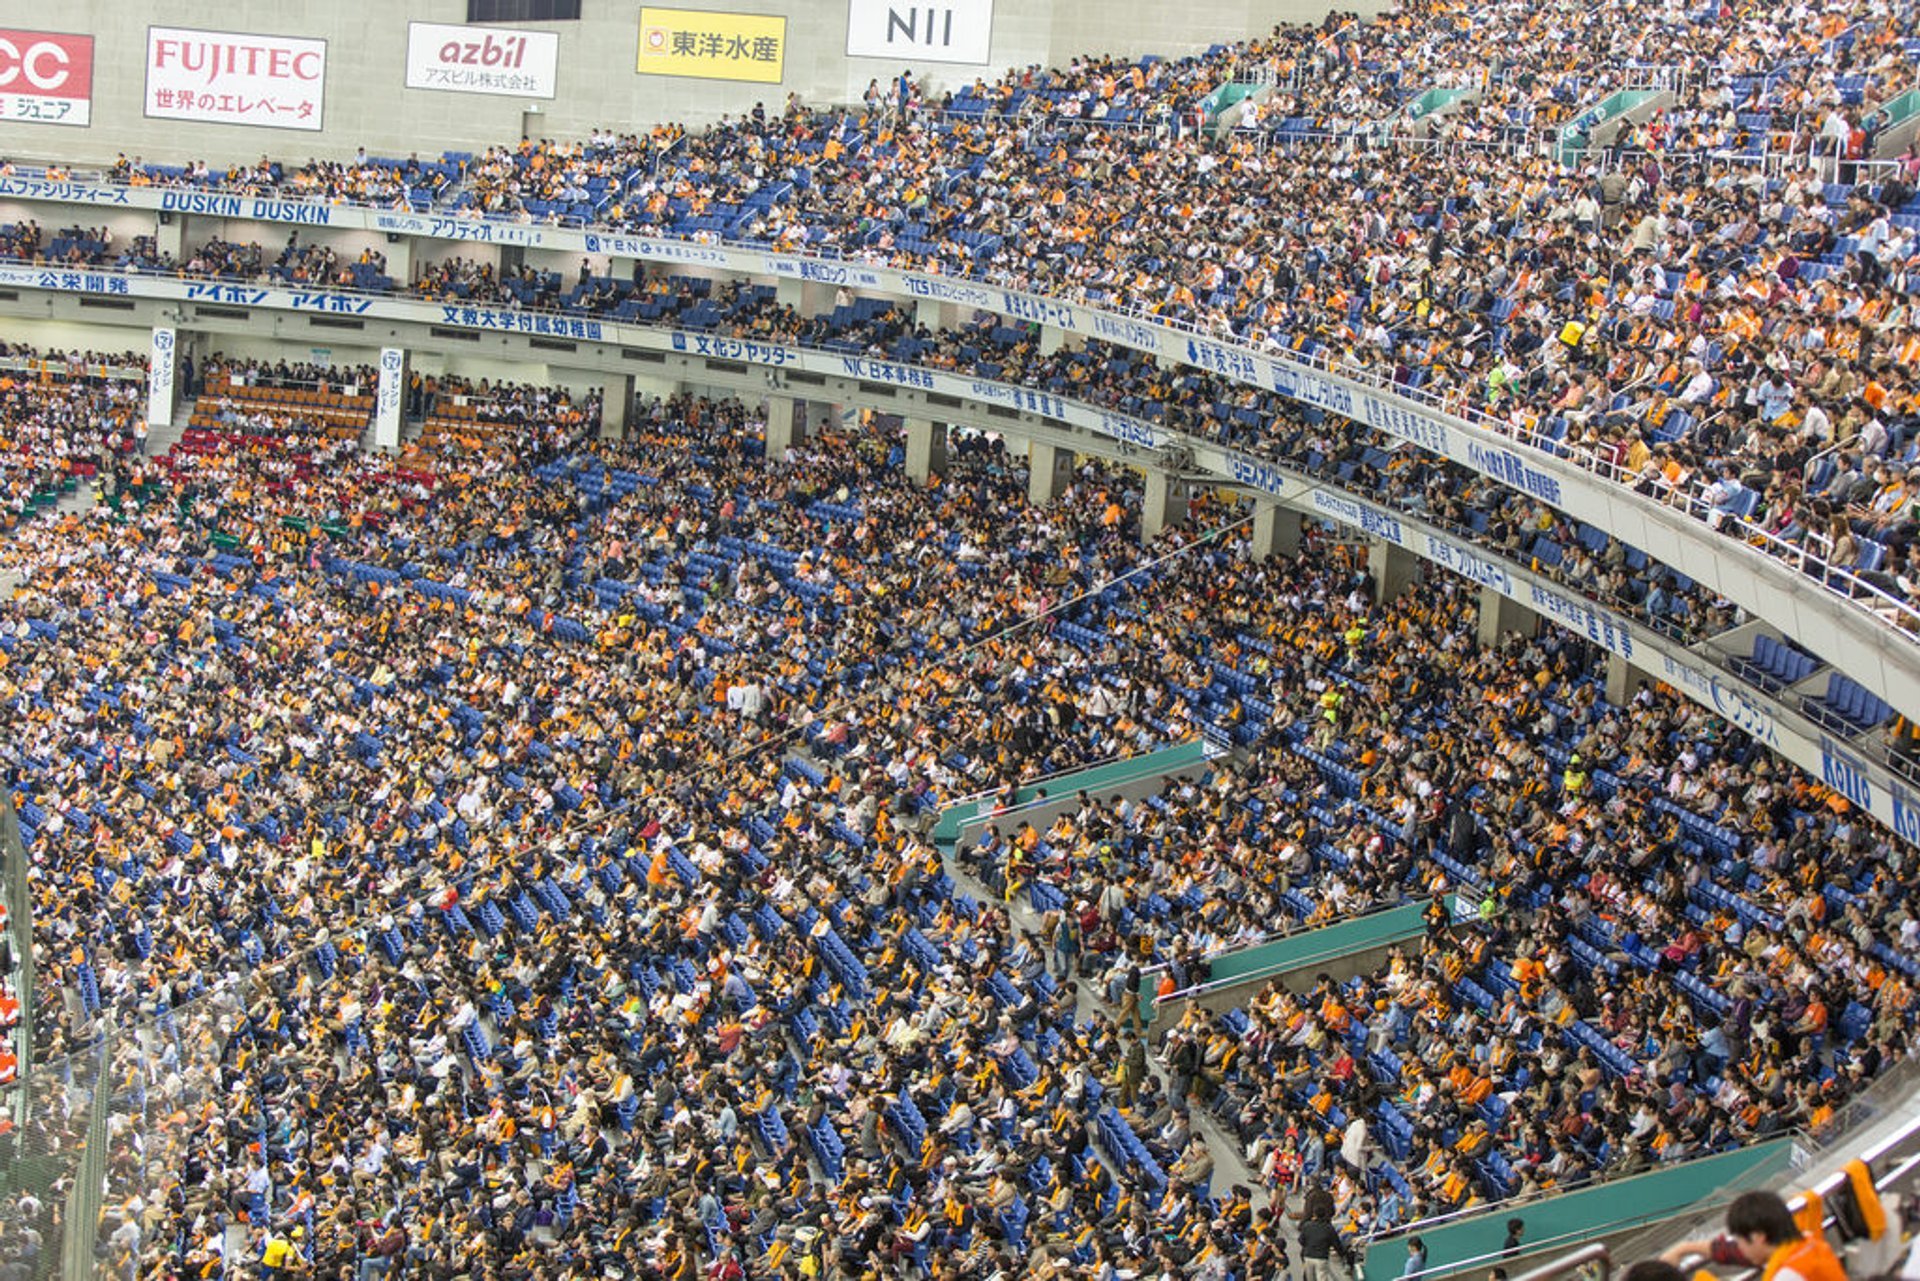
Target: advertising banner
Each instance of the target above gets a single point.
(228, 78)
(389, 398)
(711, 45)
(160, 358)
(905, 32)
(494, 60)
(46, 78)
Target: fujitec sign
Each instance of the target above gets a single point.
(45, 78)
(223, 77)
(518, 64)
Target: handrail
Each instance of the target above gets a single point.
(1062, 773)
(61, 369)
(1212, 986)
(1880, 609)
(1451, 403)
(1595, 1255)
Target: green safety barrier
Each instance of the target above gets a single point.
(225, 541)
(294, 523)
(1093, 780)
(1574, 136)
(1583, 1213)
(1234, 91)
(1310, 947)
(1436, 100)
(1901, 108)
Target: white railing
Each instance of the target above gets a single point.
(1450, 401)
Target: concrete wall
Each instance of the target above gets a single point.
(366, 103)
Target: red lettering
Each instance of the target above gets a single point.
(306, 65)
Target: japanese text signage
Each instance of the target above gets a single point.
(160, 358)
(518, 64)
(45, 78)
(222, 77)
(712, 45)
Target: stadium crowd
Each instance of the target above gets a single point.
(67, 415)
(1813, 488)
(1697, 293)
(517, 866)
(581, 795)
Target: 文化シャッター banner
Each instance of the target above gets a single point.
(712, 45)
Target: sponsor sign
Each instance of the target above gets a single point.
(708, 44)
(46, 78)
(904, 32)
(229, 78)
(160, 358)
(389, 397)
(493, 60)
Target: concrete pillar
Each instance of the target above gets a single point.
(808, 297)
(1393, 567)
(926, 449)
(786, 425)
(1276, 532)
(170, 235)
(817, 416)
(1165, 505)
(941, 315)
(1049, 470)
(1051, 339)
(1501, 614)
(399, 252)
(1624, 679)
(616, 405)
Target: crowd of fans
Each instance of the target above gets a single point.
(518, 868)
(1665, 307)
(587, 922)
(67, 415)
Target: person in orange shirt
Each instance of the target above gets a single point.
(1761, 1232)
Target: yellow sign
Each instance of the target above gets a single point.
(712, 46)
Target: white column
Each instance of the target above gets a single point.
(1049, 470)
(170, 235)
(1501, 614)
(926, 449)
(162, 353)
(1394, 569)
(616, 403)
(1165, 505)
(399, 256)
(1276, 532)
(1624, 680)
(390, 398)
(786, 425)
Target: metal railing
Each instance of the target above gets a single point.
(1450, 401)
(66, 371)
(1593, 1261)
